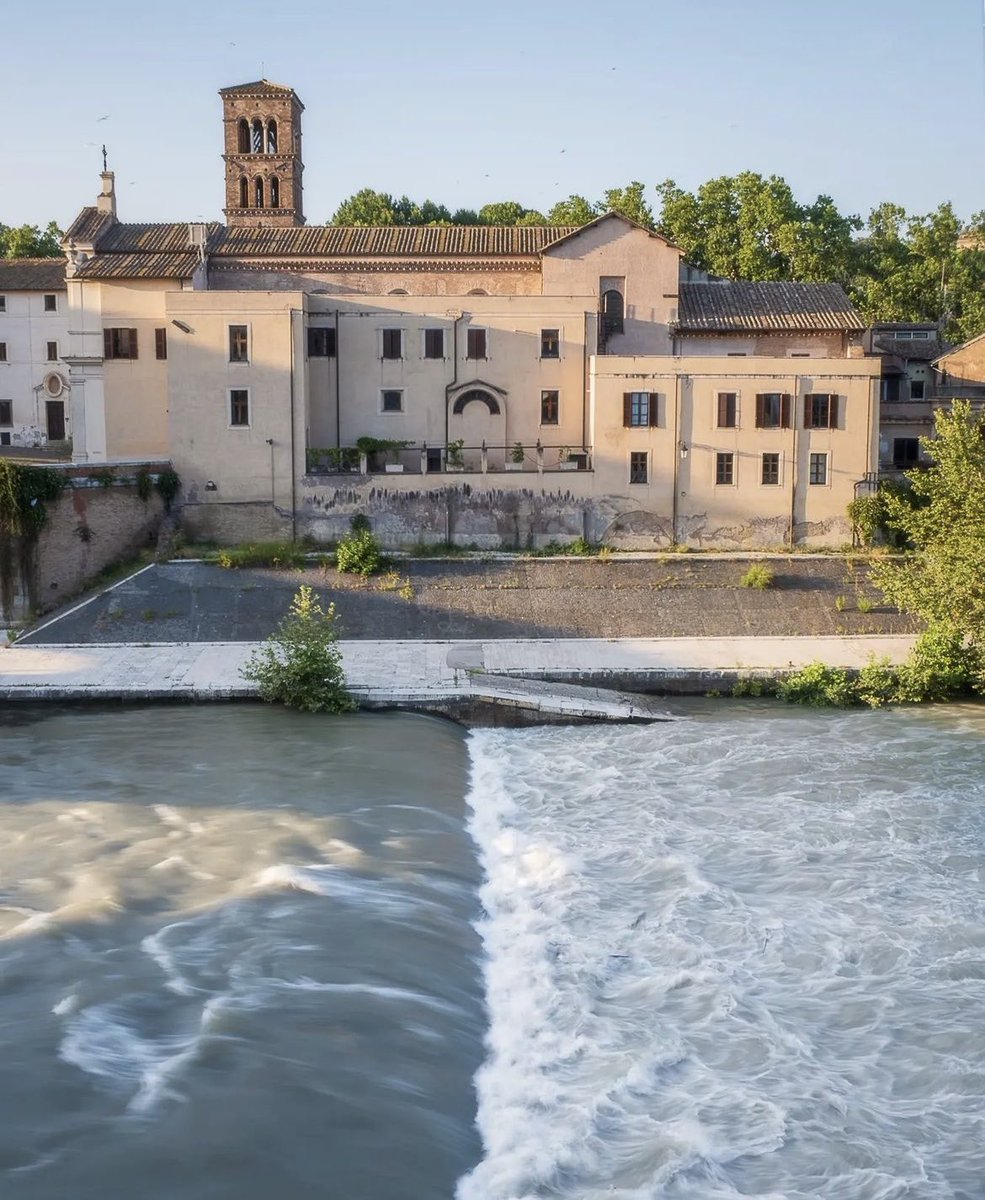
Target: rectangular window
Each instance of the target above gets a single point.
(637, 466)
(902, 335)
(550, 343)
(799, 354)
(819, 469)
(640, 409)
(772, 411)
(6, 412)
(726, 410)
(916, 389)
(4, 439)
(434, 343)
(820, 411)
(239, 343)
(321, 342)
(906, 452)
(239, 407)
(3, 303)
(392, 401)
(737, 354)
(475, 343)
(889, 389)
(51, 303)
(393, 343)
(3, 351)
(160, 343)
(771, 469)
(52, 352)
(549, 408)
(725, 468)
(119, 343)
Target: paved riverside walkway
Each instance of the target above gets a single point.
(419, 672)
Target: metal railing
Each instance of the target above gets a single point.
(454, 458)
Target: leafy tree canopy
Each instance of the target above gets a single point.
(30, 241)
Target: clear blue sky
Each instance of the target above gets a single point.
(866, 100)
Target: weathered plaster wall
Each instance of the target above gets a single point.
(379, 279)
(89, 527)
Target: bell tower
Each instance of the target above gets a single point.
(262, 123)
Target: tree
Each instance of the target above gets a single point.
(576, 210)
(300, 665)
(631, 202)
(30, 241)
(465, 216)
(366, 207)
(943, 582)
(504, 212)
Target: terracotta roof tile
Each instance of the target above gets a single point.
(165, 238)
(87, 226)
(32, 274)
(760, 307)
(141, 265)
(384, 241)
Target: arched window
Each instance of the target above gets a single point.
(244, 192)
(257, 136)
(477, 292)
(271, 136)
(258, 192)
(274, 192)
(612, 312)
(244, 136)
(397, 292)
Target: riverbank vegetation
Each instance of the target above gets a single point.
(300, 665)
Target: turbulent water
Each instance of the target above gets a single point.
(741, 955)
(251, 954)
(236, 957)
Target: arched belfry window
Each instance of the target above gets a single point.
(258, 192)
(274, 192)
(257, 136)
(271, 136)
(613, 311)
(244, 136)
(244, 192)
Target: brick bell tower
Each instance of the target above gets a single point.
(262, 122)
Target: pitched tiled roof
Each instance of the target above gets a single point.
(916, 350)
(164, 238)
(176, 265)
(760, 307)
(32, 274)
(258, 87)
(384, 241)
(88, 225)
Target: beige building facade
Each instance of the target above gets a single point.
(495, 386)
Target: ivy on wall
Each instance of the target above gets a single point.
(25, 492)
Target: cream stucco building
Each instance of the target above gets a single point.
(488, 385)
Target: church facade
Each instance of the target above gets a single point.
(486, 385)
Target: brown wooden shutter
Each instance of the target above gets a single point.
(654, 408)
(133, 343)
(627, 409)
(760, 411)
(832, 412)
(808, 404)
(107, 343)
(785, 411)
(161, 343)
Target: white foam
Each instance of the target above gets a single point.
(698, 985)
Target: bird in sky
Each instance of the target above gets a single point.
(106, 118)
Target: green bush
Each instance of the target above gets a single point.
(818, 686)
(940, 666)
(753, 685)
(168, 486)
(759, 576)
(359, 553)
(877, 684)
(262, 554)
(300, 665)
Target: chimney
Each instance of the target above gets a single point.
(106, 200)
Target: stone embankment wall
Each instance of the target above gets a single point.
(97, 520)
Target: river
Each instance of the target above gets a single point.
(248, 953)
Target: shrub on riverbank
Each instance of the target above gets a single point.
(300, 665)
(359, 553)
(759, 576)
(262, 554)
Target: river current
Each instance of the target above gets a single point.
(247, 953)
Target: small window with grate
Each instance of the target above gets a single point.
(818, 469)
(239, 344)
(6, 412)
(51, 303)
(638, 466)
(550, 343)
(549, 408)
(392, 401)
(771, 470)
(239, 407)
(725, 469)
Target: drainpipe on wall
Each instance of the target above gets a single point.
(454, 358)
(794, 399)
(584, 385)
(338, 403)
(677, 455)
(294, 484)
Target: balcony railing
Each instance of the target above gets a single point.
(453, 459)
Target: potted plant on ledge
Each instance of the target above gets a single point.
(454, 458)
(517, 455)
(395, 466)
(565, 461)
